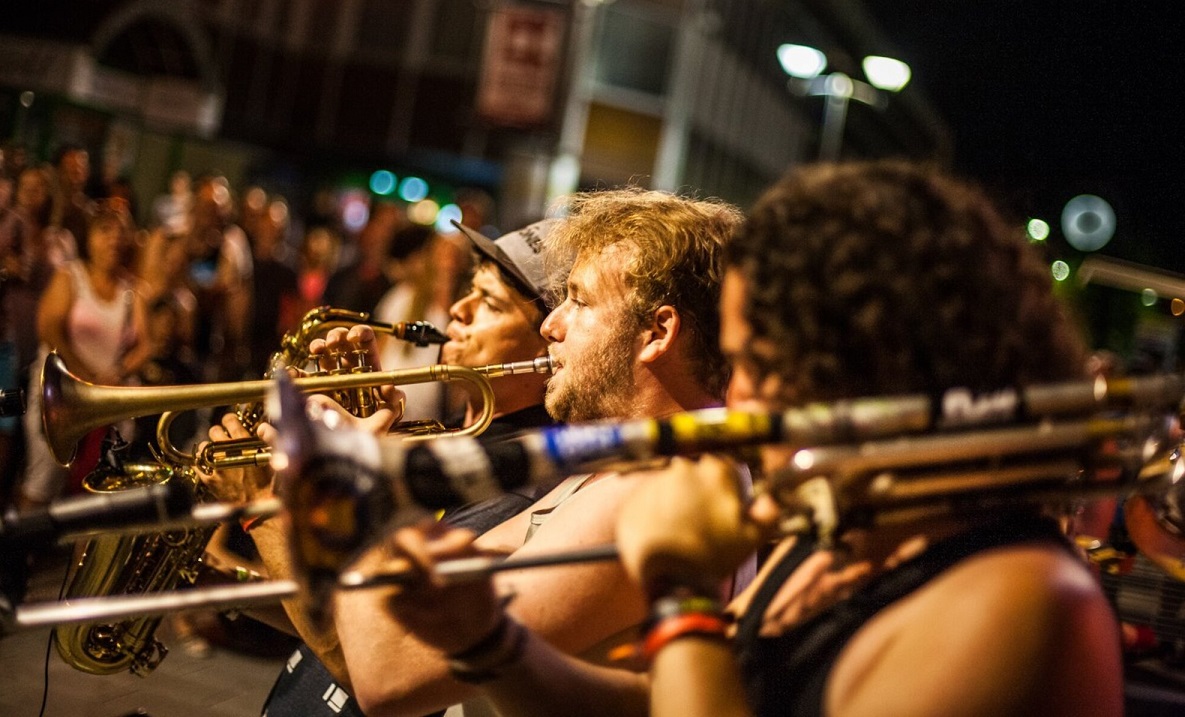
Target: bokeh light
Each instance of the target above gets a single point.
(382, 182)
(1060, 269)
(423, 212)
(1088, 222)
(1038, 229)
(1148, 297)
(445, 218)
(413, 189)
(355, 210)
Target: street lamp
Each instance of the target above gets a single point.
(805, 66)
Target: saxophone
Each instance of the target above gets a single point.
(154, 562)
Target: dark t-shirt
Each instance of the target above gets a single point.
(305, 686)
(347, 289)
(274, 283)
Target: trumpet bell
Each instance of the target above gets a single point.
(60, 419)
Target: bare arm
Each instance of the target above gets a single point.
(141, 350)
(271, 539)
(572, 608)
(52, 312)
(548, 682)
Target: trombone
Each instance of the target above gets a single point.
(880, 472)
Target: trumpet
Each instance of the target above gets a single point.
(73, 407)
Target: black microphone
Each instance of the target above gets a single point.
(12, 402)
(37, 528)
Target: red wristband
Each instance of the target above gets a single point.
(249, 524)
(673, 628)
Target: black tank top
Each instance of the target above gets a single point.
(787, 675)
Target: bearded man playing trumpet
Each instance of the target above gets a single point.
(845, 281)
(633, 337)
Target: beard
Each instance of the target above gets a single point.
(597, 386)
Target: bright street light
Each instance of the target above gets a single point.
(805, 66)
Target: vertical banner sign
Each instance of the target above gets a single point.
(521, 65)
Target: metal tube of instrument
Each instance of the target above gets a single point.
(247, 452)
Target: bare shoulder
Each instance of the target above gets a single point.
(577, 606)
(586, 515)
(1017, 630)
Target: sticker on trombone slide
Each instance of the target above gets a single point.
(720, 428)
(571, 446)
(961, 407)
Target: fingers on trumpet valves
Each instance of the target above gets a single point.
(346, 349)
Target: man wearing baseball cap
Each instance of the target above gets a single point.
(497, 321)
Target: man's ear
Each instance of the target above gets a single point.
(659, 337)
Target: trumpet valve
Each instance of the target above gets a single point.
(236, 453)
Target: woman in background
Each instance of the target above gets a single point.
(93, 316)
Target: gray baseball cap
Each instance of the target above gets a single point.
(517, 254)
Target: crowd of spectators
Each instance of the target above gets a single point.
(197, 285)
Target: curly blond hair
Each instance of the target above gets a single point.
(676, 257)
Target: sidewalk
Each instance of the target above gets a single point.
(224, 684)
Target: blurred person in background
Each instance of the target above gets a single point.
(361, 281)
(14, 158)
(7, 187)
(254, 208)
(31, 253)
(275, 304)
(72, 208)
(163, 268)
(171, 210)
(413, 296)
(221, 273)
(318, 259)
(93, 315)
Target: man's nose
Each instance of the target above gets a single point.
(460, 310)
(553, 328)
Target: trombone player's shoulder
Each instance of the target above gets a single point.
(1025, 624)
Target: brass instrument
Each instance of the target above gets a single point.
(129, 565)
(74, 407)
(142, 564)
(867, 461)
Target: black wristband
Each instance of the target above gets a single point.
(491, 655)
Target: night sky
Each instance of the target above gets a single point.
(1048, 100)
